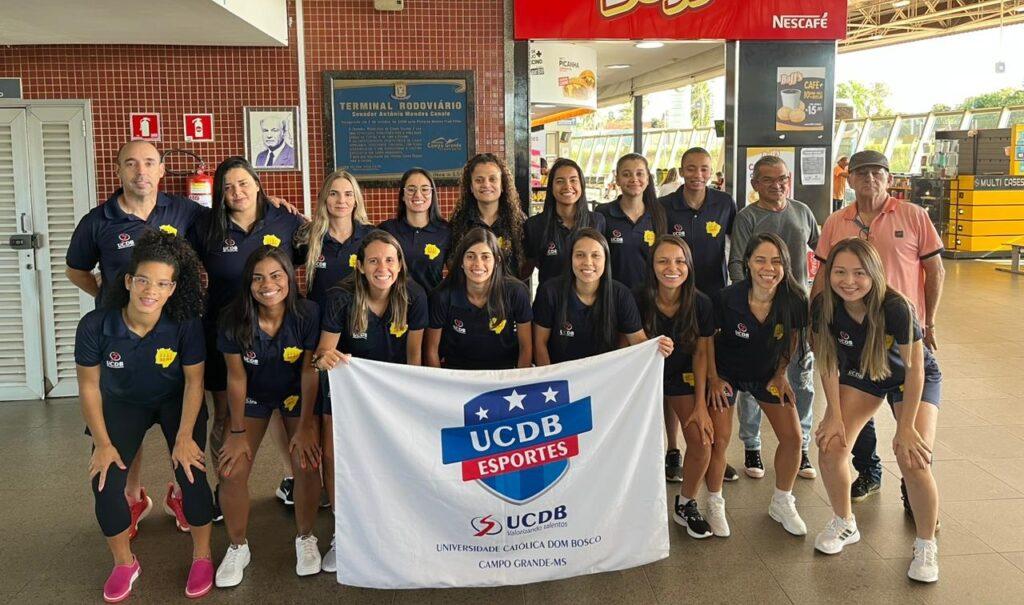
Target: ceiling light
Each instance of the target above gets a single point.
(900, 3)
(543, 105)
(618, 66)
(876, 37)
(649, 44)
(1019, 9)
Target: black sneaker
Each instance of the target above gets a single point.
(218, 515)
(286, 491)
(806, 469)
(906, 504)
(731, 474)
(673, 466)
(863, 487)
(689, 517)
(752, 464)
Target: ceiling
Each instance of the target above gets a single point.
(179, 22)
(875, 23)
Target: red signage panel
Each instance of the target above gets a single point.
(198, 127)
(680, 19)
(144, 126)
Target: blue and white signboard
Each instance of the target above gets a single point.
(383, 123)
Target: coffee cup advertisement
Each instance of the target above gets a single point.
(800, 99)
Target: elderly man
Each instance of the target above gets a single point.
(909, 247)
(794, 222)
(277, 153)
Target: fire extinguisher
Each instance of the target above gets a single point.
(198, 184)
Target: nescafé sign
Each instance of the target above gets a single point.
(379, 124)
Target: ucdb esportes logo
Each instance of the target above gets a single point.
(517, 442)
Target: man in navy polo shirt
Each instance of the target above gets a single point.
(703, 217)
(107, 234)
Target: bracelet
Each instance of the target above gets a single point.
(234, 432)
(930, 327)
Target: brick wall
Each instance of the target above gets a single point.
(340, 35)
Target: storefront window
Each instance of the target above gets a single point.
(586, 150)
(846, 140)
(986, 119)
(1016, 117)
(878, 134)
(949, 121)
(907, 138)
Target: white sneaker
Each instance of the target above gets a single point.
(330, 562)
(307, 556)
(925, 566)
(716, 516)
(837, 534)
(783, 510)
(233, 565)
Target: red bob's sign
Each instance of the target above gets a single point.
(680, 19)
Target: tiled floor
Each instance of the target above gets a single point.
(53, 551)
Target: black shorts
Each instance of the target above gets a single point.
(215, 374)
(263, 407)
(676, 384)
(758, 390)
(931, 393)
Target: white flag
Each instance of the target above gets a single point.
(486, 478)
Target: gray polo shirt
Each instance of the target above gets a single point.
(795, 224)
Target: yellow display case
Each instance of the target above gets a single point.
(984, 213)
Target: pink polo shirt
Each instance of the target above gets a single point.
(902, 234)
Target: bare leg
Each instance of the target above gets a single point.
(327, 442)
(921, 488)
(786, 424)
(234, 489)
(857, 407)
(672, 426)
(282, 438)
(121, 548)
(722, 419)
(133, 488)
(307, 486)
(698, 456)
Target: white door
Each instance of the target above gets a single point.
(46, 187)
(21, 355)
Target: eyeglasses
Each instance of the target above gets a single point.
(865, 230)
(767, 180)
(425, 190)
(142, 283)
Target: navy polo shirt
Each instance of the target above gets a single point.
(383, 340)
(107, 234)
(574, 339)
(679, 365)
(630, 243)
(470, 338)
(901, 328)
(704, 231)
(426, 249)
(551, 255)
(504, 242)
(144, 371)
(743, 343)
(225, 261)
(337, 260)
(273, 364)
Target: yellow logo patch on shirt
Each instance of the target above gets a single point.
(889, 340)
(778, 331)
(773, 390)
(169, 229)
(398, 331)
(689, 379)
(352, 261)
(165, 357)
(431, 251)
(292, 354)
(501, 243)
(649, 237)
(497, 326)
(290, 402)
(271, 240)
(713, 228)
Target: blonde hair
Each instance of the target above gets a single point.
(874, 359)
(312, 234)
(357, 284)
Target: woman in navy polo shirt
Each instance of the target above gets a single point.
(479, 317)
(327, 245)
(585, 312)
(760, 323)
(268, 335)
(566, 211)
(376, 313)
(633, 220)
(671, 306)
(488, 199)
(241, 221)
(419, 228)
(868, 346)
(139, 363)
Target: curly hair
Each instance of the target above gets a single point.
(511, 218)
(188, 300)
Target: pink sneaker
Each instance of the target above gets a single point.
(200, 578)
(174, 507)
(139, 510)
(119, 584)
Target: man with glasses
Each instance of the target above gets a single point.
(909, 246)
(793, 221)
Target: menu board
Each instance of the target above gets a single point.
(800, 99)
(383, 123)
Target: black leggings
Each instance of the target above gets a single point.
(127, 424)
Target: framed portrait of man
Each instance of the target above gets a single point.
(271, 137)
